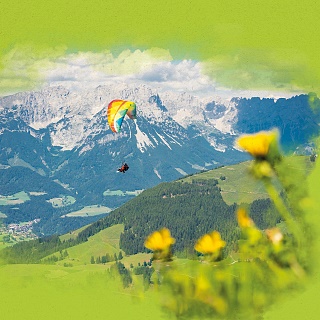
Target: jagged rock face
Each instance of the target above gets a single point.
(64, 136)
(68, 114)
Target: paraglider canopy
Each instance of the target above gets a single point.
(117, 109)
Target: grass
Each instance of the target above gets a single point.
(86, 292)
(72, 234)
(236, 178)
(135, 259)
(89, 211)
(62, 201)
(114, 193)
(16, 198)
(121, 193)
(105, 241)
(55, 292)
(240, 187)
(6, 244)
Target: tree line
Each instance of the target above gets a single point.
(106, 258)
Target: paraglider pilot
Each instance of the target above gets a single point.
(123, 168)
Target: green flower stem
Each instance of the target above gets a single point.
(281, 207)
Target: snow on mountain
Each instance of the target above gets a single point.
(68, 114)
(208, 114)
(143, 140)
(222, 116)
(39, 109)
(73, 117)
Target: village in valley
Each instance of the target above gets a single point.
(16, 232)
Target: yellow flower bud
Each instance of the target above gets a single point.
(244, 220)
(210, 243)
(274, 235)
(258, 145)
(159, 240)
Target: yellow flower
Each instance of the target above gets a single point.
(210, 243)
(258, 145)
(244, 220)
(159, 240)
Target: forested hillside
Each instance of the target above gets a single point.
(189, 210)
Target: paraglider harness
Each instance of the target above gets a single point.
(123, 168)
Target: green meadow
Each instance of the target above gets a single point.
(89, 292)
(16, 198)
(89, 211)
(62, 201)
(80, 291)
(72, 234)
(235, 183)
(52, 292)
(237, 186)
(121, 193)
(105, 241)
(4, 244)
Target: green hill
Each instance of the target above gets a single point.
(237, 186)
(235, 183)
(189, 207)
(105, 241)
(72, 234)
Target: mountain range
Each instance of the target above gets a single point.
(56, 143)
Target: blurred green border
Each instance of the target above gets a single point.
(250, 44)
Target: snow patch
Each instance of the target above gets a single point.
(175, 141)
(163, 140)
(181, 171)
(37, 125)
(197, 167)
(217, 146)
(143, 140)
(85, 148)
(226, 122)
(157, 173)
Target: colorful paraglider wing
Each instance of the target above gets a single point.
(117, 109)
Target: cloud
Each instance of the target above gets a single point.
(90, 69)
(26, 69)
(185, 75)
